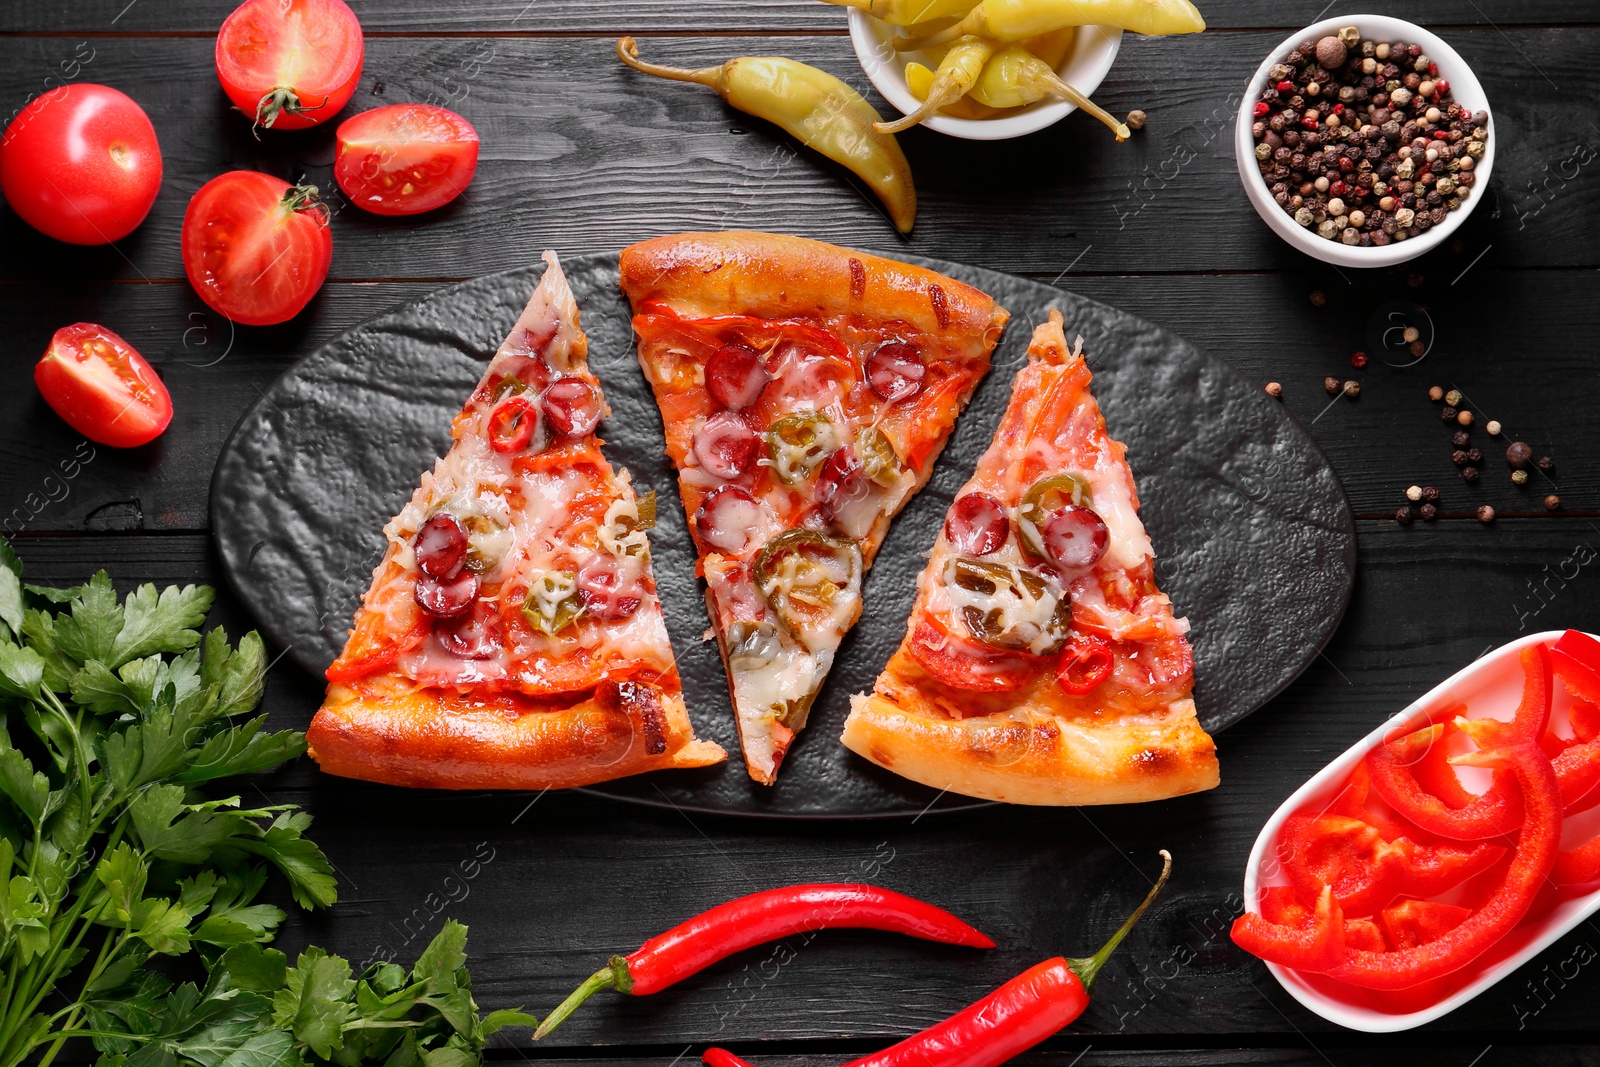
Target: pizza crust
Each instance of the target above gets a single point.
(774, 276)
(1035, 759)
(435, 739)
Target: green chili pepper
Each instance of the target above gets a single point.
(994, 579)
(550, 615)
(799, 443)
(806, 596)
(1044, 497)
(957, 74)
(878, 460)
(822, 111)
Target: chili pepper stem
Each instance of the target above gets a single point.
(1052, 81)
(614, 975)
(628, 52)
(1086, 969)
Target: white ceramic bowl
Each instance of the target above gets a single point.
(1084, 68)
(1490, 685)
(1463, 86)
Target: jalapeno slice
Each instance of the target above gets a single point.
(552, 603)
(752, 645)
(808, 579)
(799, 443)
(878, 460)
(999, 582)
(1047, 495)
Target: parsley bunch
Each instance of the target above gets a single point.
(115, 714)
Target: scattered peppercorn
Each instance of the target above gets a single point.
(1485, 513)
(1352, 389)
(1136, 119)
(1546, 464)
(1418, 349)
(1402, 515)
(1410, 334)
(1464, 418)
(1453, 398)
(1430, 494)
(1469, 473)
(1447, 413)
(1474, 455)
(1459, 457)
(1358, 360)
(1436, 394)
(1519, 455)
(1331, 384)
(1519, 477)
(1492, 428)
(1274, 390)
(1461, 439)
(1414, 493)
(1427, 511)
(1552, 502)
(1318, 297)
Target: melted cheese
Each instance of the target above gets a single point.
(1018, 610)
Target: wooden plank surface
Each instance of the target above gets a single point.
(560, 885)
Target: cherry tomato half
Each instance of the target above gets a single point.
(102, 387)
(289, 64)
(256, 248)
(81, 164)
(405, 158)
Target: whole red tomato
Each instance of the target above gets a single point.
(290, 64)
(405, 158)
(81, 164)
(256, 248)
(103, 387)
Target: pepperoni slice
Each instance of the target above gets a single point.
(446, 598)
(440, 546)
(727, 519)
(726, 445)
(841, 482)
(512, 424)
(571, 407)
(977, 524)
(964, 664)
(895, 371)
(735, 377)
(472, 636)
(1074, 536)
(607, 589)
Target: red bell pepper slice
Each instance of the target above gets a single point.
(1579, 865)
(1433, 770)
(1409, 923)
(1366, 868)
(1365, 935)
(1317, 947)
(1280, 905)
(1531, 865)
(1585, 718)
(1577, 661)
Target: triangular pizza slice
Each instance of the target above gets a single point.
(512, 638)
(806, 391)
(1042, 665)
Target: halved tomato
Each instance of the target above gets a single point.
(290, 64)
(102, 386)
(256, 248)
(405, 158)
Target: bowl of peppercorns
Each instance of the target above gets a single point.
(1364, 141)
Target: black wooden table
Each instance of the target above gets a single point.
(581, 156)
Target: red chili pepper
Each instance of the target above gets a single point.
(512, 423)
(1014, 1018)
(714, 935)
(1084, 664)
(1531, 864)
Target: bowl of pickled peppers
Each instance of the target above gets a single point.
(1442, 851)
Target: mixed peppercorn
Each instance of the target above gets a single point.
(1361, 142)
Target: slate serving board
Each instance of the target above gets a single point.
(1254, 537)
